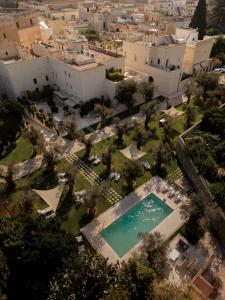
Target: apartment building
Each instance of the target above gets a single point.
(197, 52)
(159, 57)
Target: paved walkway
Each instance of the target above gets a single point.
(111, 195)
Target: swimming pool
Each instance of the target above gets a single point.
(124, 233)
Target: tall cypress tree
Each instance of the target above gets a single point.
(199, 18)
(217, 16)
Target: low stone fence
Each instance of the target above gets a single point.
(24, 168)
(198, 182)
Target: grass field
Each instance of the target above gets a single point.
(21, 152)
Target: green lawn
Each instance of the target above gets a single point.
(21, 152)
(72, 218)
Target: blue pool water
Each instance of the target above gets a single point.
(124, 233)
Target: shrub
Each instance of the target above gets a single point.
(89, 106)
(54, 109)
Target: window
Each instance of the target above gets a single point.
(46, 77)
(6, 53)
(65, 73)
(17, 25)
(167, 61)
(37, 90)
(4, 35)
(35, 81)
(151, 60)
(69, 75)
(158, 61)
(31, 22)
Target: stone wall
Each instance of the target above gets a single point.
(198, 182)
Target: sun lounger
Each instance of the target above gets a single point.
(81, 249)
(97, 161)
(117, 177)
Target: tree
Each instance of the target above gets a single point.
(167, 131)
(103, 111)
(91, 277)
(50, 157)
(70, 175)
(131, 171)
(121, 129)
(9, 178)
(4, 273)
(107, 159)
(35, 138)
(162, 156)
(208, 82)
(88, 145)
(199, 19)
(125, 93)
(140, 137)
(190, 114)
(147, 90)
(137, 280)
(34, 250)
(217, 16)
(168, 291)
(148, 110)
(191, 89)
(90, 201)
(153, 253)
(218, 47)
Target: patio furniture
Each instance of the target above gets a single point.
(97, 161)
(92, 157)
(146, 165)
(174, 255)
(184, 246)
(79, 239)
(81, 249)
(165, 188)
(112, 175)
(117, 177)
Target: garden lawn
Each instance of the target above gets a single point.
(21, 152)
(119, 160)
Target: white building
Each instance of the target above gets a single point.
(159, 57)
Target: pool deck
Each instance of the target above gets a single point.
(92, 231)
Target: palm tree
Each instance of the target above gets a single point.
(190, 113)
(103, 111)
(148, 110)
(131, 171)
(147, 90)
